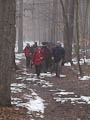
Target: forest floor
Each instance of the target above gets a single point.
(49, 98)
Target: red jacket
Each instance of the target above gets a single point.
(27, 51)
(37, 56)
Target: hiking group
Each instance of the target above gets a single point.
(45, 58)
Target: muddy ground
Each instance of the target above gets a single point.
(57, 106)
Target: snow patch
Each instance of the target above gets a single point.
(84, 78)
(20, 56)
(17, 62)
(48, 74)
(86, 99)
(67, 64)
(65, 93)
(15, 87)
(15, 101)
(34, 104)
(71, 97)
(81, 61)
(19, 78)
(43, 83)
(62, 76)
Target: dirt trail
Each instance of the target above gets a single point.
(65, 98)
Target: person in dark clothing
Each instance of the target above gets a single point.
(63, 56)
(27, 54)
(58, 54)
(48, 57)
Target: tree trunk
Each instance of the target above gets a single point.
(85, 21)
(20, 28)
(77, 33)
(68, 17)
(53, 27)
(7, 45)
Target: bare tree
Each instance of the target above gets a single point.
(53, 27)
(77, 34)
(85, 27)
(7, 44)
(68, 18)
(20, 27)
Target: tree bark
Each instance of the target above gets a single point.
(7, 45)
(68, 17)
(20, 28)
(53, 27)
(77, 33)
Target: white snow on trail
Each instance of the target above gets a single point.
(43, 83)
(20, 56)
(67, 64)
(25, 73)
(18, 78)
(84, 78)
(48, 74)
(86, 99)
(65, 93)
(63, 100)
(16, 101)
(33, 78)
(86, 61)
(65, 96)
(20, 85)
(62, 75)
(34, 104)
(81, 61)
(78, 100)
(17, 61)
(16, 88)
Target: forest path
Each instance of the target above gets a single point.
(51, 98)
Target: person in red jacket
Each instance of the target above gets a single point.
(27, 54)
(37, 60)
